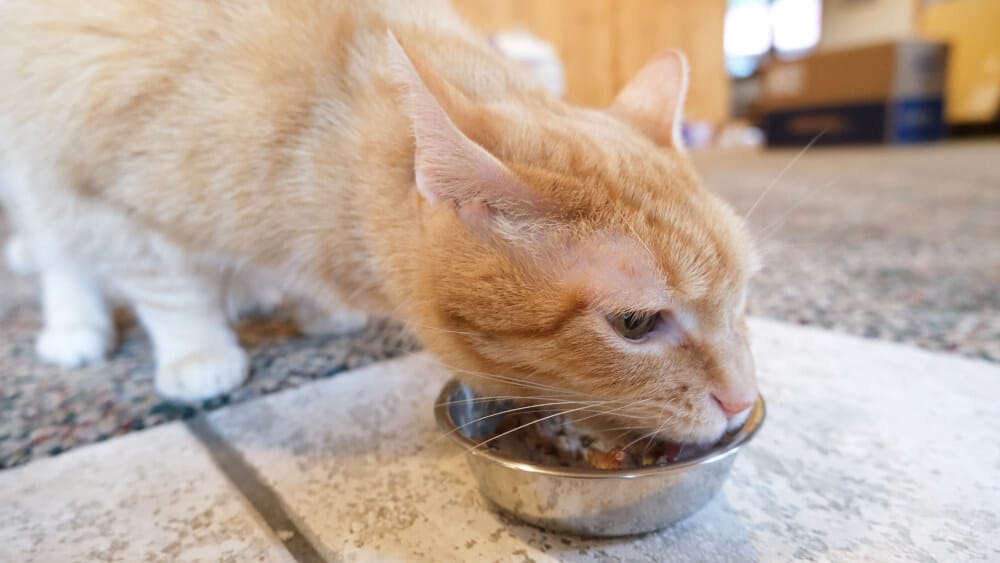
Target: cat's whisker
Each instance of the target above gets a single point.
(662, 424)
(639, 439)
(523, 426)
(619, 428)
(516, 383)
(532, 408)
(495, 398)
(529, 402)
(508, 379)
(616, 412)
(769, 230)
(628, 432)
(612, 411)
(498, 377)
(781, 174)
(586, 407)
(659, 429)
(533, 404)
(509, 411)
(600, 412)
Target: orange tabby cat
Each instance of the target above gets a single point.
(373, 157)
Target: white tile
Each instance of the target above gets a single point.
(149, 496)
(872, 451)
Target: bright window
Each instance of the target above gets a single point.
(795, 25)
(753, 28)
(748, 29)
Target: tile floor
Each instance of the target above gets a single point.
(872, 451)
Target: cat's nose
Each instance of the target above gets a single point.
(734, 404)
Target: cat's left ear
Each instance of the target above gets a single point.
(449, 166)
(653, 101)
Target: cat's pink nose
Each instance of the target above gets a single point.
(733, 406)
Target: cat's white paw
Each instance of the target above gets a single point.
(314, 321)
(202, 374)
(73, 346)
(16, 256)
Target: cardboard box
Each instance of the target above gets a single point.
(887, 93)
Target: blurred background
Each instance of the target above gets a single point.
(792, 68)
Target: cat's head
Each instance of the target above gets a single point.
(573, 255)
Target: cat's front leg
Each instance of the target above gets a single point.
(197, 353)
(77, 328)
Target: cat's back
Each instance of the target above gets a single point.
(113, 67)
(62, 59)
(119, 81)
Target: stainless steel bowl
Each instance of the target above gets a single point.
(590, 502)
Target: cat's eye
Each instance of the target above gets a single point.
(634, 325)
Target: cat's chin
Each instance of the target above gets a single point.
(607, 430)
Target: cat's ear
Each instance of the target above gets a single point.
(653, 101)
(448, 165)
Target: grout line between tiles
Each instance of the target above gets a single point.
(260, 496)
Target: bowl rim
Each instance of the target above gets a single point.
(445, 423)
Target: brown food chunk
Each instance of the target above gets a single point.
(613, 459)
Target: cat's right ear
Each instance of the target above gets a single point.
(653, 101)
(448, 165)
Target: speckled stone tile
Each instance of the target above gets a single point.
(871, 452)
(151, 496)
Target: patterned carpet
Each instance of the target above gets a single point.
(46, 410)
(901, 244)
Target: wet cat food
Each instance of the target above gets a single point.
(552, 439)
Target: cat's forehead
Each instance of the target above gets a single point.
(616, 272)
(652, 233)
(627, 270)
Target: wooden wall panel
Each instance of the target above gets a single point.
(579, 29)
(646, 27)
(604, 42)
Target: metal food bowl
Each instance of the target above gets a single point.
(589, 502)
